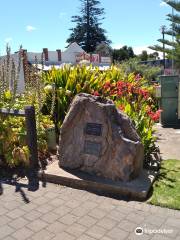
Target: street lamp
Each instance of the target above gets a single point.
(172, 39)
(172, 36)
(162, 29)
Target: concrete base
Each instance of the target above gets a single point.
(136, 189)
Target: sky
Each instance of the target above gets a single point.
(37, 24)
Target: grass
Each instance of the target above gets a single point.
(166, 189)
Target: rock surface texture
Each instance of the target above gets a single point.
(99, 139)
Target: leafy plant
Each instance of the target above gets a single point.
(130, 92)
(13, 142)
(52, 92)
(136, 100)
(148, 72)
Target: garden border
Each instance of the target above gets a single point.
(30, 118)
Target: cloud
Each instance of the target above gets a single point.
(30, 28)
(62, 14)
(163, 4)
(8, 39)
(138, 49)
(118, 45)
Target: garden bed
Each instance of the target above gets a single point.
(51, 93)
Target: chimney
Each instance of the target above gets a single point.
(24, 55)
(59, 54)
(45, 51)
(100, 58)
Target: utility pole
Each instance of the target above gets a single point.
(172, 37)
(163, 28)
(173, 40)
(87, 27)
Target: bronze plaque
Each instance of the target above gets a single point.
(93, 129)
(92, 148)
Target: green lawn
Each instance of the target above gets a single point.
(166, 189)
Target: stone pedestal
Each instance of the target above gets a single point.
(97, 138)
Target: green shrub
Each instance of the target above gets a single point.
(131, 93)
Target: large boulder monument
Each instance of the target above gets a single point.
(99, 139)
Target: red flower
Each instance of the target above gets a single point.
(113, 92)
(144, 93)
(121, 84)
(154, 115)
(96, 93)
(148, 109)
(119, 93)
(107, 85)
(130, 87)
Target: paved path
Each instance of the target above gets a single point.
(61, 213)
(169, 142)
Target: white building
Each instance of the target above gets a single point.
(56, 57)
(72, 55)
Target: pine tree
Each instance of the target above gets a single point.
(88, 33)
(171, 46)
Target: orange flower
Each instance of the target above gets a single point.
(121, 107)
